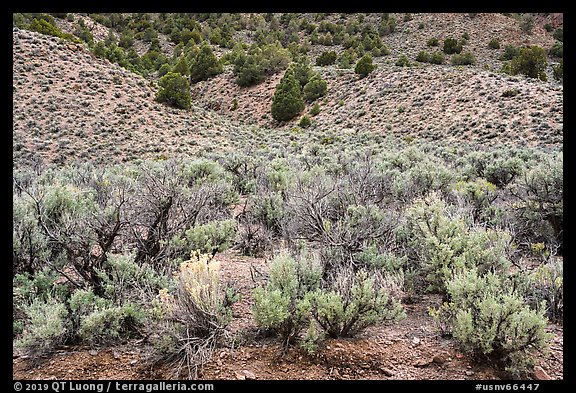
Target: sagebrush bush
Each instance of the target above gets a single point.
(538, 215)
(40, 286)
(445, 245)
(503, 171)
(212, 237)
(370, 257)
(192, 318)
(128, 281)
(354, 301)
(479, 195)
(492, 322)
(269, 210)
(98, 320)
(283, 305)
(107, 325)
(546, 283)
(47, 326)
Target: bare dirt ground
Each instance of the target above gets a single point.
(409, 350)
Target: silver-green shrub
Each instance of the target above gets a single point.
(47, 326)
(492, 322)
(444, 243)
(354, 301)
(282, 305)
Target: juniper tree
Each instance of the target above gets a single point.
(287, 102)
(205, 64)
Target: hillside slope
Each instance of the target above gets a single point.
(434, 102)
(68, 105)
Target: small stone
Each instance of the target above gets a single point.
(540, 374)
(336, 373)
(387, 371)
(249, 374)
(469, 373)
(133, 361)
(240, 376)
(422, 362)
(93, 352)
(415, 341)
(116, 354)
(440, 358)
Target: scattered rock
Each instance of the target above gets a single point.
(415, 341)
(422, 362)
(249, 374)
(441, 358)
(336, 373)
(93, 352)
(387, 371)
(239, 376)
(541, 375)
(469, 373)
